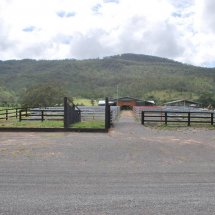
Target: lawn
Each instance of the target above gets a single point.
(12, 123)
(85, 102)
(90, 124)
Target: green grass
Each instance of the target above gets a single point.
(31, 124)
(14, 123)
(85, 102)
(89, 124)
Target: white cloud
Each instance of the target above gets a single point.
(182, 30)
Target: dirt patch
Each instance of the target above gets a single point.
(127, 113)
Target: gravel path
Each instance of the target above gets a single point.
(131, 170)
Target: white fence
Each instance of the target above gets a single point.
(88, 113)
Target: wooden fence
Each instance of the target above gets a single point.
(41, 114)
(177, 117)
(137, 110)
(57, 113)
(6, 114)
(69, 113)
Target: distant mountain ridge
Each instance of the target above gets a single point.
(136, 75)
(143, 58)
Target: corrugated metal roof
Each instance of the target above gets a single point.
(126, 98)
(182, 100)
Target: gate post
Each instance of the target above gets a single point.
(142, 118)
(107, 114)
(212, 118)
(65, 113)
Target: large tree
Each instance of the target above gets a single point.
(43, 95)
(7, 97)
(207, 99)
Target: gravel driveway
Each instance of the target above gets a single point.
(131, 170)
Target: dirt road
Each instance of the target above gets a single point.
(131, 170)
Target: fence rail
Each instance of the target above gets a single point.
(89, 113)
(5, 114)
(138, 110)
(40, 114)
(178, 117)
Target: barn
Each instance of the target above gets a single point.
(127, 103)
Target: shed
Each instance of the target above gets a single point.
(184, 103)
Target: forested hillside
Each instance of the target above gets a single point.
(139, 76)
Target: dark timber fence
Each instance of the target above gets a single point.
(177, 117)
(40, 114)
(9, 113)
(68, 114)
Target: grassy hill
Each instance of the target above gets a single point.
(139, 76)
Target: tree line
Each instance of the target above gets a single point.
(138, 76)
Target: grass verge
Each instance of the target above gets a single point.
(13, 123)
(31, 124)
(89, 124)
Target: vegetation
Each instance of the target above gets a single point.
(139, 76)
(43, 95)
(31, 124)
(7, 97)
(208, 99)
(84, 102)
(13, 123)
(89, 124)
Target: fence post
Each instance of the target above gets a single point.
(212, 118)
(142, 117)
(16, 113)
(6, 114)
(165, 118)
(20, 115)
(107, 114)
(42, 115)
(188, 119)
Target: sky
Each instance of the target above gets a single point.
(182, 30)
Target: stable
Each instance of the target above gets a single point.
(127, 103)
